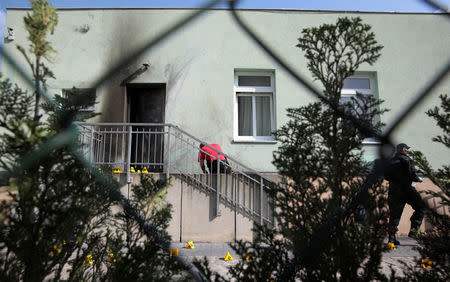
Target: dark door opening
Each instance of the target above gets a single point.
(147, 104)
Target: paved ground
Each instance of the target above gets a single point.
(215, 252)
(404, 254)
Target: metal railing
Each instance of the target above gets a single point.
(164, 148)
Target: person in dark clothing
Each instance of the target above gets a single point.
(210, 156)
(400, 174)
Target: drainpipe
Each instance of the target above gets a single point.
(168, 153)
(127, 165)
(218, 186)
(261, 190)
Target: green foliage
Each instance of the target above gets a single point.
(69, 107)
(434, 244)
(56, 208)
(39, 24)
(60, 222)
(141, 259)
(441, 176)
(442, 120)
(57, 211)
(19, 133)
(14, 103)
(322, 174)
(335, 51)
(320, 158)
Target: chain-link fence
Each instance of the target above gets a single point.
(71, 133)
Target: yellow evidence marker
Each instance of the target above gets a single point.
(391, 246)
(250, 256)
(426, 263)
(174, 252)
(190, 245)
(228, 257)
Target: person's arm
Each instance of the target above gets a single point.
(410, 170)
(202, 166)
(413, 173)
(201, 160)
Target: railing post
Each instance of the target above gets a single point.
(218, 186)
(168, 153)
(261, 190)
(91, 145)
(128, 160)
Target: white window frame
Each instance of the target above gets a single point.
(89, 108)
(253, 92)
(371, 91)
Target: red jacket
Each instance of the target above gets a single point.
(209, 154)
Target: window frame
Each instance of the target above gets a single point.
(89, 108)
(253, 91)
(372, 91)
(352, 92)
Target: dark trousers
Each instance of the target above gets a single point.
(224, 166)
(399, 195)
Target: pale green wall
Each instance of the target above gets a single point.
(198, 66)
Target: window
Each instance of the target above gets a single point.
(88, 95)
(363, 84)
(253, 114)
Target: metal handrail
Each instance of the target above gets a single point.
(179, 129)
(227, 156)
(101, 143)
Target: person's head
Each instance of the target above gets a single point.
(201, 145)
(402, 148)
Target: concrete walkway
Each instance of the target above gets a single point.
(215, 253)
(404, 254)
(204, 249)
(406, 248)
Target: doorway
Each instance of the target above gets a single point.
(146, 104)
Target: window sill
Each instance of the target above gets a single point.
(254, 141)
(371, 141)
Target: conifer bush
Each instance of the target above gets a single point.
(322, 232)
(434, 245)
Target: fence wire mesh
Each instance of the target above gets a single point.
(69, 136)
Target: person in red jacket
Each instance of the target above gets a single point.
(210, 155)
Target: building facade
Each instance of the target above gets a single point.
(210, 79)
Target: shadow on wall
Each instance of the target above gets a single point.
(176, 75)
(112, 93)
